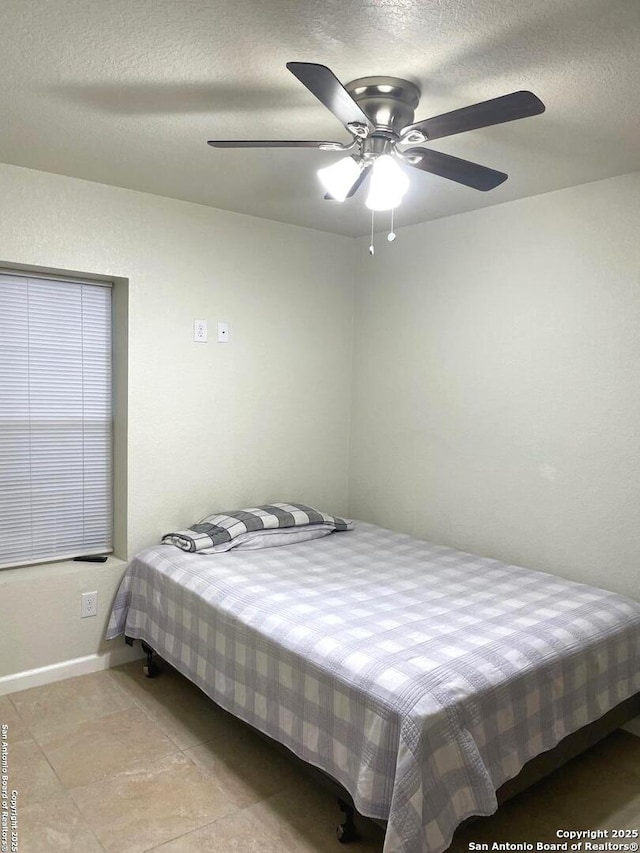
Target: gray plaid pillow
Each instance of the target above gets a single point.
(226, 528)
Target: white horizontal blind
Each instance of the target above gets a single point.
(55, 419)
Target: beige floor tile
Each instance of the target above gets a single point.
(18, 729)
(86, 752)
(249, 768)
(179, 708)
(585, 794)
(190, 720)
(132, 673)
(75, 700)
(303, 811)
(323, 840)
(154, 803)
(618, 754)
(230, 790)
(55, 826)
(315, 805)
(307, 823)
(529, 817)
(274, 817)
(232, 834)
(599, 801)
(30, 774)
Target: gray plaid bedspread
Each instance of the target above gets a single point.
(420, 677)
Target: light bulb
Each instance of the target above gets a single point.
(388, 184)
(338, 178)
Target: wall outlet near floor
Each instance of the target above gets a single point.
(89, 605)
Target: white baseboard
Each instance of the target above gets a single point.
(68, 669)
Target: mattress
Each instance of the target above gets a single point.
(419, 677)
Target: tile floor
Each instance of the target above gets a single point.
(116, 762)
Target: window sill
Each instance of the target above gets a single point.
(39, 571)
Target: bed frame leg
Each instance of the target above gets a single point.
(347, 831)
(150, 668)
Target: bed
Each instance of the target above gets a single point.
(421, 678)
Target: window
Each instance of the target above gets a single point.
(55, 419)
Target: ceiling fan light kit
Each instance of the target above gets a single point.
(338, 178)
(387, 185)
(378, 112)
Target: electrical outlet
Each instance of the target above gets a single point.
(89, 605)
(200, 331)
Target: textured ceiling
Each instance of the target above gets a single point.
(126, 92)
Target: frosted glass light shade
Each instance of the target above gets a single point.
(338, 178)
(388, 184)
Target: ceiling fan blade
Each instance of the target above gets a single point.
(462, 171)
(326, 87)
(271, 143)
(359, 181)
(496, 111)
(364, 174)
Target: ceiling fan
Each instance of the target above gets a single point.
(378, 112)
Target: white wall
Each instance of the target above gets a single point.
(210, 426)
(41, 624)
(496, 400)
(495, 405)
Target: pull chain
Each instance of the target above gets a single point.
(391, 236)
(371, 248)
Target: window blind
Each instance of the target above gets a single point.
(55, 419)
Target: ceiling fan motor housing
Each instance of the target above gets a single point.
(389, 102)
